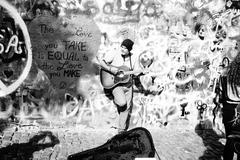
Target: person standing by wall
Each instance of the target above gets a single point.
(123, 92)
(228, 94)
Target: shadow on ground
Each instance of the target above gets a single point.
(24, 151)
(3, 124)
(214, 148)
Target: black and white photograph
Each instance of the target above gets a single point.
(119, 79)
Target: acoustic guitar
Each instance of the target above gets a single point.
(110, 80)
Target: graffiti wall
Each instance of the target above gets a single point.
(184, 44)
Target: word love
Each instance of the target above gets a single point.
(13, 42)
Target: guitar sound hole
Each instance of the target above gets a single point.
(120, 74)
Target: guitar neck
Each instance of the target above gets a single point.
(132, 72)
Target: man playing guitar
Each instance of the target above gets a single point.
(114, 68)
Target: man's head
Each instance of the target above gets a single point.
(200, 29)
(127, 45)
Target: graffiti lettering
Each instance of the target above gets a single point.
(54, 74)
(46, 29)
(75, 45)
(13, 42)
(51, 46)
(81, 33)
(47, 66)
(62, 85)
(67, 65)
(118, 11)
(175, 45)
(72, 73)
(58, 55)
(5, 90)
(39, 55)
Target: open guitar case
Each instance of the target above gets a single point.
(135, 143)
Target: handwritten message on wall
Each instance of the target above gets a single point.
(64, 48)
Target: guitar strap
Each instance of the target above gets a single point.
(131, 103)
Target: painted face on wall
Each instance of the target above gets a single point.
(202, 32)
(173, 44)
(221, 34)
(235, 21)
(146, 58)
(237, 46)
(145, 33)
(124, 50)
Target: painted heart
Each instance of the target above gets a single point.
(8, 73)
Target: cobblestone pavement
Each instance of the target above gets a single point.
(174, 142)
